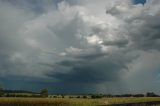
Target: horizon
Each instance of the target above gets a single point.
(54, 93)
(82, 46)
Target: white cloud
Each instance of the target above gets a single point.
(94, 40)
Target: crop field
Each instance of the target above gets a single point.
(13, 101)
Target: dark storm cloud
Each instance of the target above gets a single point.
(147, 35)
(36, 6)
(142, 34)
(142, 29)
(119, 43)
(89, 56)
(76, 45)
(99, 69)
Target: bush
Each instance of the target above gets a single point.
(138, 95)
(1, 91)
(96, 96)
(84, 96)
(151, 94)
(54, 96)
(78, 97)
(62, 96)
(44, 92)
(71, 97)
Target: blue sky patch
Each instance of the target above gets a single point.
(139, 1)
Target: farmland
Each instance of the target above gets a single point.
(14, 101)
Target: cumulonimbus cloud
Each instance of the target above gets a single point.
(87, 43)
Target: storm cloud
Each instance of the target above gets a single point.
(81, 46)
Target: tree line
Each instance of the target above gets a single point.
(44, 93)
(23, 93)
(148, 94)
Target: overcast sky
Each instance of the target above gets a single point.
(80, 46)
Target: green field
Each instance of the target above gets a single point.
(5, 101)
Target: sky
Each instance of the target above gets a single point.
(80, 46)
(139, 1)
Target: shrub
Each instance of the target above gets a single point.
(78, 97)
(44, 92)
(84, 96)
(151, 94)
(96, 96)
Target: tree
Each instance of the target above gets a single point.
(62, 96)
(151, 94)
(44, 92)
(1, 91)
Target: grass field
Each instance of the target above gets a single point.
(71, 101)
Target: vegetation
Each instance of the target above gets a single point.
(71, 101)
(151, 94)
(44, 92)
(27, 98)
(1, 93)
